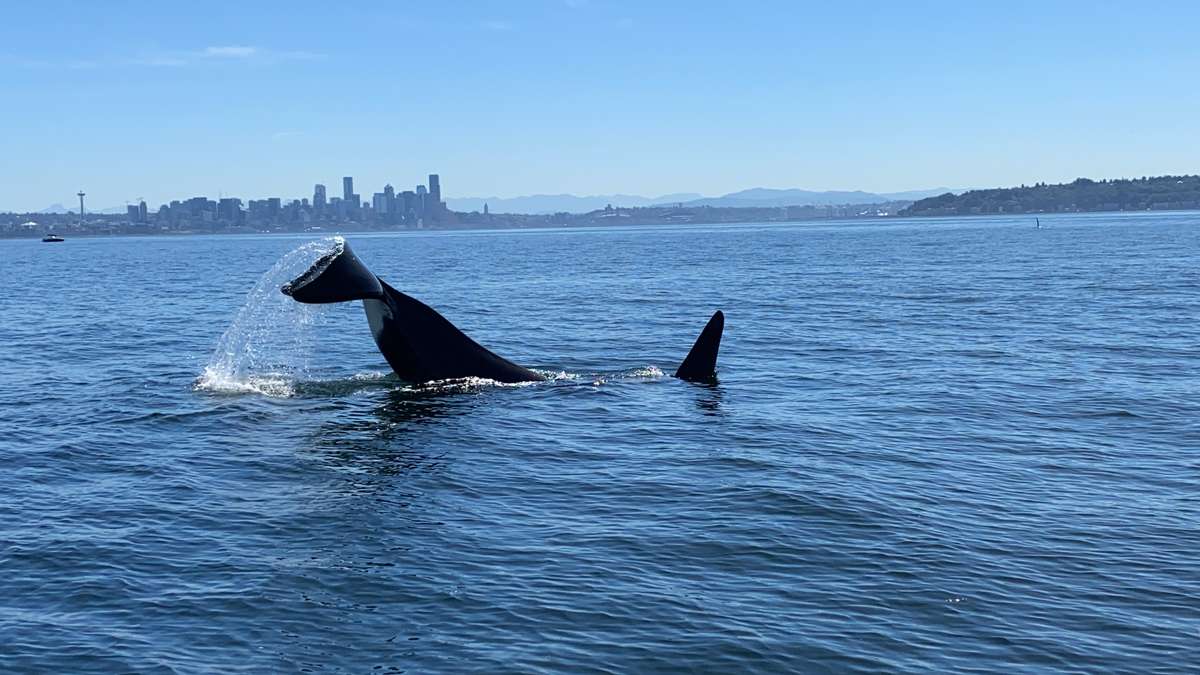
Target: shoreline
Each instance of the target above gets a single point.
(475, 227)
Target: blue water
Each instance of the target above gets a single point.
(938, 445)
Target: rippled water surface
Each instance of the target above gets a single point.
(941, 445)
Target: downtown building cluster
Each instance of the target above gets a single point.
(421, 207)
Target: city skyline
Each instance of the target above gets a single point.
(319, 199)
(423, 208)
(417, 208)
(589, 97)
(556, 202)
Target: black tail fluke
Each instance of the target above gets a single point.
(701, 363)
(337, 277)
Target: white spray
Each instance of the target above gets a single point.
(266, 349)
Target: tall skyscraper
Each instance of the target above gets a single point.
(435, 197)
(435, 187)
(319, 197)
(407, 206)
(389, 201)
(347, 188)
(229, 210)
(422, 202)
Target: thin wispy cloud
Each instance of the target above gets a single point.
(158, 61)
(497, 25)
(231, 52)
(178, 59)
(226, 53)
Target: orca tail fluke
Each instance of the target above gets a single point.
(418, 343)
(338, 276)
(701, 362)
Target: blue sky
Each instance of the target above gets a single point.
(166, 100)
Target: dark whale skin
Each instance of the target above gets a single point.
(421, 345)
(418, 343)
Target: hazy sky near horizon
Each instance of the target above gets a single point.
(255, 99)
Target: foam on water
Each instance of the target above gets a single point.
(266, 348)
(644, 373)
(648, 372)
(556, 375)
(470, 383)
(370, 375)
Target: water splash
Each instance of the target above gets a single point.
(644, 373)
(648, 372)
(266, 348)
(556, 375)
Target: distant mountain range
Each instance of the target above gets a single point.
(59, 208)
(760, 197)
(563, 202)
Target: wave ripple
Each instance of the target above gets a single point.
(935, 446)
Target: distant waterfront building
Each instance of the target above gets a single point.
(485, 210)
(347, 188)
(422, 204)
(379, 203)
(435, 196)
(199, 208)
(256, 211)
(319, 197)
(407, 205)
(143, 212)
(340, 207)
(389, 197)
(229, 210)
(132, 213)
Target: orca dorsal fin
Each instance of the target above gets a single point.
(701, 363)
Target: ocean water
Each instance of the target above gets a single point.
(936, 445)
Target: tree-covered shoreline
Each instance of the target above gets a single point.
(1159, 193)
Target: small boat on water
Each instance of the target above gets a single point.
(51, 237)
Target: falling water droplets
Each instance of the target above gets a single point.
(267, 347)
